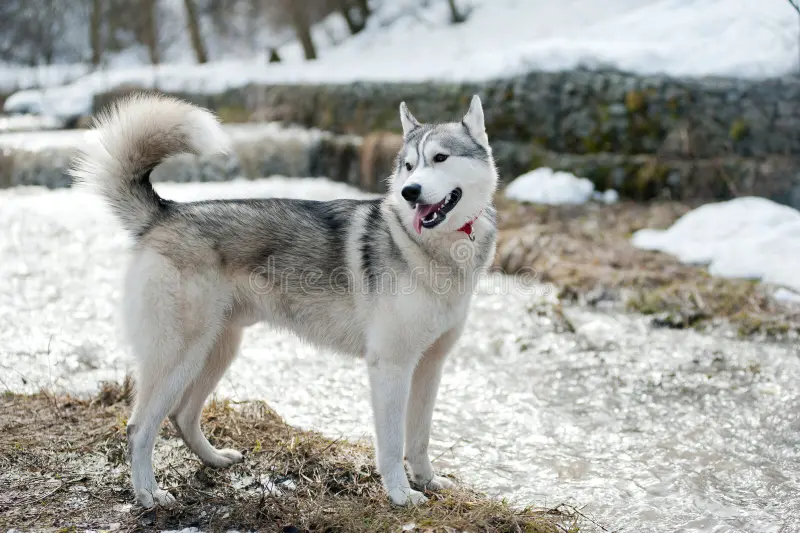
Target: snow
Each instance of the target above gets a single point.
(546, 186)
(752, 238)
(15, 77)
(413, 40)
(17, 123)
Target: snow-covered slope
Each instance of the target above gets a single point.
(412, 40)
(749, 237)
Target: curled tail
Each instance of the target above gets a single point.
(132, 137)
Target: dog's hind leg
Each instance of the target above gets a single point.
(173, 320)
(186, 416)
(158, 389)
(424, 387)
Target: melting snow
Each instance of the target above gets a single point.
(545, 186)
(749, 237)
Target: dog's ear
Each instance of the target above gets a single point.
(408, 120)
(474, 123)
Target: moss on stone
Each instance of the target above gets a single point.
(540, 141)
(600, 175)
(648, 180)
(635, 101)
(538, 159)
(739, 129)
(598, 141)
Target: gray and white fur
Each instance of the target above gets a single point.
(361, 277)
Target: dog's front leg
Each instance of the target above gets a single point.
(390, 383)
(424, 387)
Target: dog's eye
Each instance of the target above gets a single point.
(440, 158)
(408, 167)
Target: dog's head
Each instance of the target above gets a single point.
(445, 173)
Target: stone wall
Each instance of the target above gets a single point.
(570, 112)
(258, 150)
(649, 136)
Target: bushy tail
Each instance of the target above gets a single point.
(132, 137)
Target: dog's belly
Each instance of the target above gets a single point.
(326, 320)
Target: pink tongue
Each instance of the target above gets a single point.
(422, 211)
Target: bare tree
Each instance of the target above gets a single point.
(355, 13)
(194, 31)
(302, 27)
(456, 16)
(149, 29)
(95, 36)
(36, 32)
(363, 5)
(796, 5)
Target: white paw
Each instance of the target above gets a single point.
(432, 482)
(439, 483)
(224, 458)
(404, 496)
(149, 499)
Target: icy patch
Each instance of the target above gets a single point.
(545, 186)
(752, 238)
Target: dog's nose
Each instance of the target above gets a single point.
(412, 192)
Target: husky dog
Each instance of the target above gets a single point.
(200, 272)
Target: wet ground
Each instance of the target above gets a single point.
(644, 429)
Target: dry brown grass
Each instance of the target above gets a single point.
(585, 251)
(63, 468)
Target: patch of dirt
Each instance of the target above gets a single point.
(585, 251)
(63, 467)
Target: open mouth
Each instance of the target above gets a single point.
(431, 215)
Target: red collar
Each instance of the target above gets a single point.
(467, 228)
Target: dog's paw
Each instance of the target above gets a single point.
(224, 458)
(432, 482)
(149, 499)
(439, 483)
(405, 496)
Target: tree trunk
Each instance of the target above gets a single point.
(455, 15)
(95, 38)
(353, 25)
(150, 30)
(194, 32)
(364, 7)
(302, 28)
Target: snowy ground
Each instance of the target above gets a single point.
(751, 238)
(412, 40)
(647, 430)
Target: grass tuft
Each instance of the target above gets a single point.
(585, 251)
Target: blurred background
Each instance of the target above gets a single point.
(649, 155)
